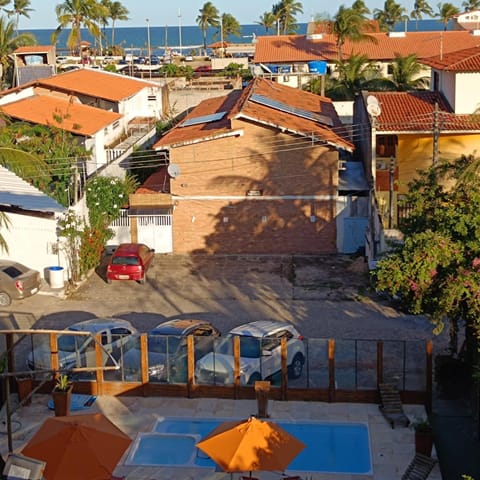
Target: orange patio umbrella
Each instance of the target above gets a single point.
(251, 445)
(78, 447)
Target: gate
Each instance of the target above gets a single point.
(155, 230)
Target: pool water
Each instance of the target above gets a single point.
(330, 447)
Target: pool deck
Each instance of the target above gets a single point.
(391, 449)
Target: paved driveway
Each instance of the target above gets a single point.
(324, 296)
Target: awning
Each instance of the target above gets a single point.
(352, 179)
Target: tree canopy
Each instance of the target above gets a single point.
(436, 271)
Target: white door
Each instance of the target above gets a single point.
(156, 232)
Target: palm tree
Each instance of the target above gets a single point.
(230, 25)
(360, 7)
(392, 13)
(352, 75)
(208, 17)
(446, 11)
(406, 71)
(267, 20)
(285, 12)
(420, 8)
(116, 12)
(10, 41)
(470, 5)
(349, 24)
(77, 13)
(4, 223)
(20, 7)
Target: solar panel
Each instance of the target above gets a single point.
(299, 112)
(214, 117)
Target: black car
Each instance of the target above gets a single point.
(167, 350)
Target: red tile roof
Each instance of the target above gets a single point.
(298, 48)
(414, 112)
(35, 49)
(286, 110)
(74, 117)
(467, 60)
(87, 81)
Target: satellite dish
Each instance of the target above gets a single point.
(173, 170)
(372, 99)
(374, 109)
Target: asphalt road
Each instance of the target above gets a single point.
(324, 296)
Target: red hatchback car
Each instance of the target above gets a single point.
(130, 261)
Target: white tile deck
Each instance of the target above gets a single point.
(391, 450)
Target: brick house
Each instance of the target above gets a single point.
(258, 171)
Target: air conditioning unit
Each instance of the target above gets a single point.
(342, 164)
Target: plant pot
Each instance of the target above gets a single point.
(61, 401)
(24, 389)
(424, 443)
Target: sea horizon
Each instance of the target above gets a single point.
(188, 38)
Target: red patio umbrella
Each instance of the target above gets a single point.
(78, 447)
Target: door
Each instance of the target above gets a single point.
(354, 234)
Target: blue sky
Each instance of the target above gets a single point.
(165, 12)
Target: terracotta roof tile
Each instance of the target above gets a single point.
(75, 117)
(467, 60)
(241, 105)
(87, 81)
(35, 49)
(414, 112)
(298, 48)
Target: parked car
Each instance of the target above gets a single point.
(79, 350)
(130, 261)
(167, 349)
(17, 281)
(203, 68)
(260, 354)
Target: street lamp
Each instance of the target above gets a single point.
(180, 30)
(148, 41)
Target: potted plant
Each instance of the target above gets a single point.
(24, 388)
(423, 436)
(62, 394)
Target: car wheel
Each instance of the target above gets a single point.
(5, 299)
(296, 367)
(143, 279)
(255, 377)
(109, 280)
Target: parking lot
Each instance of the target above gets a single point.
(324, 296)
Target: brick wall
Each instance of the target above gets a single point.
(294, 214)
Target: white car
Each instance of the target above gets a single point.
(260, 354)
(79, 350)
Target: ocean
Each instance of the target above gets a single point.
(189, 37)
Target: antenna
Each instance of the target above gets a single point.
(373, 107)
(173, 170)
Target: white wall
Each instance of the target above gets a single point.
(467, 92)
(32, 241)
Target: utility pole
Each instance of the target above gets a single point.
(391, 179)
(436, 133)
(180, 30)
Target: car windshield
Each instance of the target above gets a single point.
(125, 261)
(160, 343)
(249, 346)
(70, 343)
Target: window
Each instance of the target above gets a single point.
(386, 145)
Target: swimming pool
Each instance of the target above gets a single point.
(330, 447)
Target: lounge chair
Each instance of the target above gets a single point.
(391, 405)
(419, 468)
